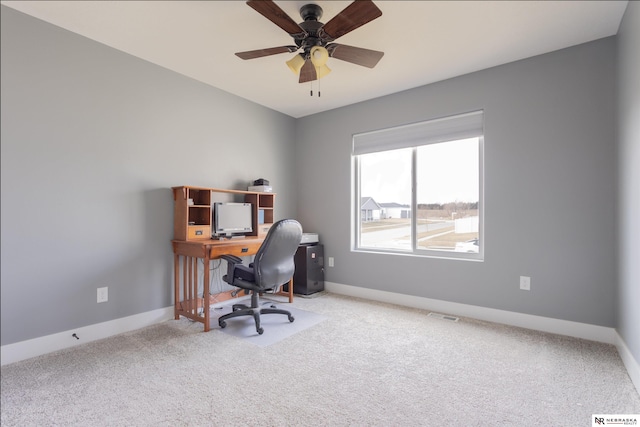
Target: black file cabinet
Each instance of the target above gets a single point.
(309, 275)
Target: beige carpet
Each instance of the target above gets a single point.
(366, 364)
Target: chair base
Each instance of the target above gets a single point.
(253, 310)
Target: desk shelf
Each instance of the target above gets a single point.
(193, 210)
(263, 212)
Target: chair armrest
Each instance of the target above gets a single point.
(231, 258)
(232, 261)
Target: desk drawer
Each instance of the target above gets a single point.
(238, 249)
(263, 229)
(198, 232)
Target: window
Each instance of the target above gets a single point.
(418, 188)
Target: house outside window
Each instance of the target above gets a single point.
(419, 188)
(370, 210)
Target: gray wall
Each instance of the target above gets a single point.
(629, 135)
(92, 141)
(550, 187)
(93, 138)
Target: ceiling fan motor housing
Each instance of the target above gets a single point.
(311, 13)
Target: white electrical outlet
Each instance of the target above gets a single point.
(525, 283)
(331, 264)
(103, 294)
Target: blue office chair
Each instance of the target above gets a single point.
(273, 266)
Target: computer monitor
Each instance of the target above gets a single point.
(231, 219)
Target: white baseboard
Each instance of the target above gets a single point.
(632, 365)
(528, 321)
(22, 350)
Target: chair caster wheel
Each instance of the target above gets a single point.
(291, 319)
(222, 324)
(260, 331)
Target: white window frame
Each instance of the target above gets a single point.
(451, 128)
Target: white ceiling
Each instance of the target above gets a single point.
(423, 41)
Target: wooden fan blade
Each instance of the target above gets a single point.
(259, 53)
(356, 55)
(273, 13)
(308, 72)
(353, 16)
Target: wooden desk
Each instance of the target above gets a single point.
(207, 250)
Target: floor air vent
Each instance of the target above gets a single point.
(443, 317)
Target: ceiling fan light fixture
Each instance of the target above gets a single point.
(322, 71)
(296, 63)
(319, 56)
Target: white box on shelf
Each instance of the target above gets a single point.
(261, 188)
(309, 238)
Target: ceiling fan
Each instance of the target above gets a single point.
(315, 39)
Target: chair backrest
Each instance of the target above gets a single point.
(273, 264)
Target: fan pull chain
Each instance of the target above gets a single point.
(311, 91)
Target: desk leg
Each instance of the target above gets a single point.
(291, 290)
(176, 286)
(205, 296)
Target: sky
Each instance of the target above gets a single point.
(447, 172)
